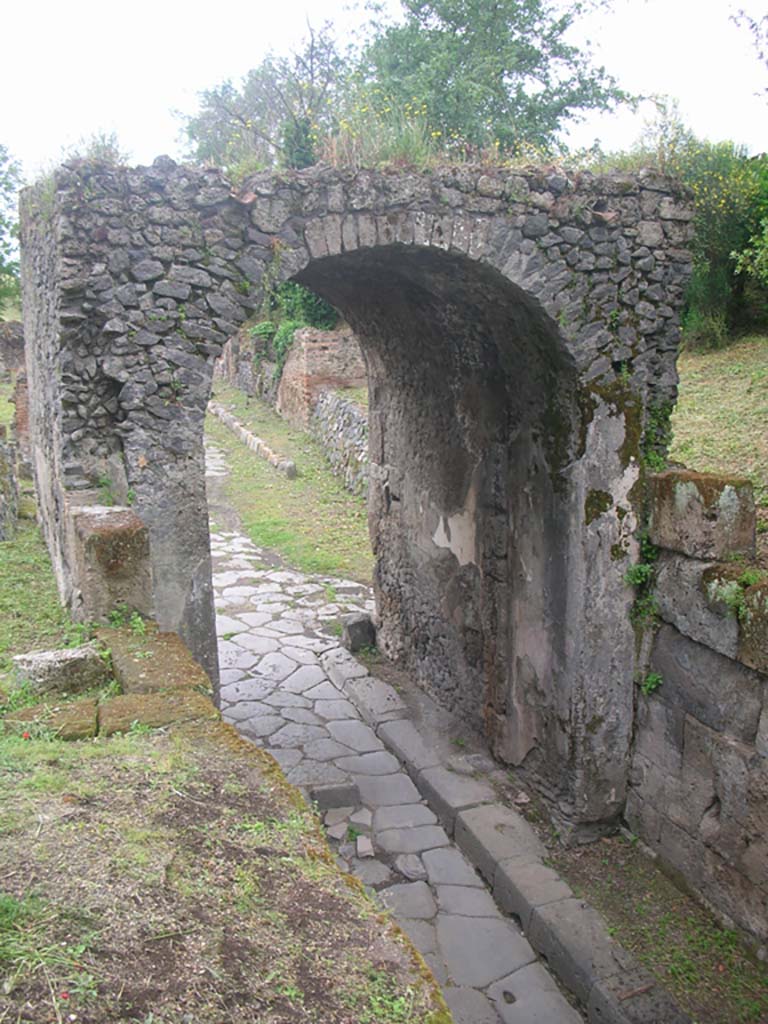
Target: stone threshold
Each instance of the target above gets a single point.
(569, 936)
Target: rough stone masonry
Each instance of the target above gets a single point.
(517, 327)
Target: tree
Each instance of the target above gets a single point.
(488, 71)
(10, 182)
(758, 29)
(275, 116)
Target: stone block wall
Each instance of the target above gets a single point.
(699, 780)
(11, 347)
(341, 427)
(9, 492)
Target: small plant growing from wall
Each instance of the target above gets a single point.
(651, 683)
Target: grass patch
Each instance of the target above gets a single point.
(720, 423)
(31, 617)
(357, 395)
(711, 974)
(203, 889)
(314, 523)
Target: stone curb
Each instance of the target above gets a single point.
(567, 933)
(256, 445)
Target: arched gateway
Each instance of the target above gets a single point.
(518, 327)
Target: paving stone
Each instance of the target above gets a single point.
(575, 941)
(325, 749)
(235, 713)
(404, 816)
(494, 833)
(285, 758)
(288, 627)
(260, 728)
(297, 735)
(520, 887)
(336, 815)
(276, 666)
(335, 710)
(530, 996)
(255, 619)
(378, 790)
(280, 699)
(378, 763)
(449, 867)
(299, 655)
(410, 899)
(362, 818)
(375, 700)
(230, 675)
(225, 624)
(371, 872)
(468, 1006)
(256, 644)
(270, 606)
(338, 831)
(229, 654)
(267, 633)
(313, 643)
(466, 900)
(323, 691)
(249, 688)
(341, 666)
(421, 933)
(415, 839)
(364, 847)
(448, 793)
(301, 715)
(479, 950)
(355, 735)
(436, 964)
(404, 740)
(304, 678)
(411, 867)
(245, 660)
(314, 773)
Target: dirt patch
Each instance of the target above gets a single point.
(175, 877)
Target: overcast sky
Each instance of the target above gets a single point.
(69, 70)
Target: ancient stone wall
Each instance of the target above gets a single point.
(699, 783)
(341, 427)
(9, 491)
(318, 361)
(516, 326)
(11, 347)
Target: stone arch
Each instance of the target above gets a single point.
(517, 325)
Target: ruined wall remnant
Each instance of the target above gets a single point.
(699, 785)
(11, 347)
(341, 427)
(516, 326)
(9, 490)
(318, 361)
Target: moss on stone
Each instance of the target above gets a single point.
(596, 504)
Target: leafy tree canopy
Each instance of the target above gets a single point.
(489, 70)
(10, 182)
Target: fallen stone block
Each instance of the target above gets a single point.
(491, 834)
(152, 661)
(702, 515)
(70, 670)
(357, 632)
(448, 793)
(153, 710)
(75, 721)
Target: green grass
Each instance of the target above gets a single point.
(721, 421)
(30, 614)
(311, 521)
(357, 395)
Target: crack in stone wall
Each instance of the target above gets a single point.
(515, 326)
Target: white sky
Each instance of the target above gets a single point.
(71, 69)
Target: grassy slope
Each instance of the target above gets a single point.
(311, 520)
(721, 420)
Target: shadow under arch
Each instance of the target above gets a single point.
(472, 422)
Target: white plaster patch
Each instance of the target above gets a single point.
(457, 533)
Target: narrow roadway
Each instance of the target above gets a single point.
(276, 631)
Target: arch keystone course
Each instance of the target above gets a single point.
(516, 326)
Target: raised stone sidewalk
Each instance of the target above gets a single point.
(463, 875)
